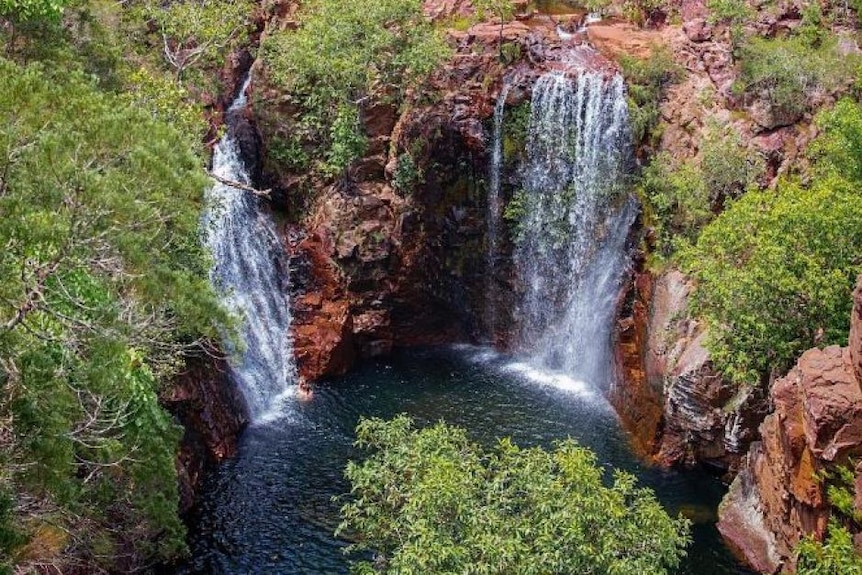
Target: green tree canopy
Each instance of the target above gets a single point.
(102, 289)
(344, 53)
(430, 501)
(775, 271)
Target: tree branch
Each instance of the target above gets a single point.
(241, 186)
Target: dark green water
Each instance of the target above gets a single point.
(269, 510)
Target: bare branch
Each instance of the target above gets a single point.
(240, 186)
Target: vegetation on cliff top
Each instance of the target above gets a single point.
(345, 54)
(775, 270)
(431, 501)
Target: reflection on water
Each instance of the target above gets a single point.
(270, 509)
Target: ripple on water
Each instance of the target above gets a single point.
(270, 510)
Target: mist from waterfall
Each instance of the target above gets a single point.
(250, 271)
(570, 249)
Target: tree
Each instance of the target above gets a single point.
(430, 501)
(775, 271)
(103, 289)
(502, 9)
(346, 53)
(199, 31)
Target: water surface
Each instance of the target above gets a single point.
(269, 510)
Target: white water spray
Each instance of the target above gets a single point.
(250, 272)
(571, 245)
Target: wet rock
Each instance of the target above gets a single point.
(212, 412)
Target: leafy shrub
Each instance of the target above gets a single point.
(678, 200)
(775, 270)
(432, 502)
(344, 53)
(407, 174)
(647, 80)
(787, 73)
(836, 556)
(93, 320)
(728, 168)
(774, 274)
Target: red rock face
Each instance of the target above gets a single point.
(213, 412)
(638, 401)
(816, 424)
(373, 266)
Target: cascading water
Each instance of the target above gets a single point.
(494, 212)
(250, 271)
(571, 243)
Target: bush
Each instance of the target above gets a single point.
(774, 274)
(345, 53)
(93, 320)
(678, 201)
(647, 80)
(727, 166)
(787, 73)
(430, 501)
(775, 271)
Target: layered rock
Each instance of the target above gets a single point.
(377, 261)
(816, 424)
(678, 408)
(212, 412)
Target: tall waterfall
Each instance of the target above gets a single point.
(250, 271)
(494, 212)
(571, 243)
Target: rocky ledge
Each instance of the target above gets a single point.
(816, 425)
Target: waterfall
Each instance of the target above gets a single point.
(570, 249)
(494, 213)
(250, 271)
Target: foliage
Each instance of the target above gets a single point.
(836, 556)
(31, 10)
(502, 9)
(838, 150)
(727, 166)
(197, 32)
(788, 72)
(430, 501)
(647, 80)
(730, 11)
(775, 270)
(345, 53)
(407, 174)
(640, 11)
(678, 199)
(733, 13)
(102, 289)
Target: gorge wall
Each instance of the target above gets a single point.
(780, 494)
(375, 265)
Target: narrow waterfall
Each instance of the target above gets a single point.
(494, 213)
(250, 270)
(571, 243)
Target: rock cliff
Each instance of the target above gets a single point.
(376, 262)
(212, 412)
(815, 425)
